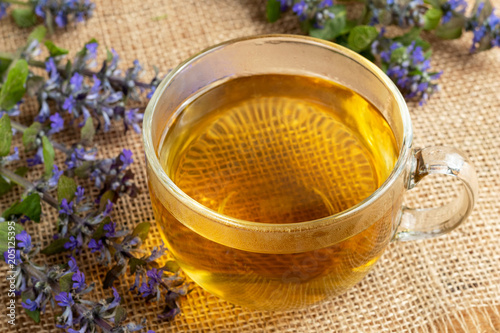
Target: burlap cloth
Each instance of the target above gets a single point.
(451, 283)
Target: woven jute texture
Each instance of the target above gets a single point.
(447, 284)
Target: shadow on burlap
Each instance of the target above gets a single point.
(451, 283)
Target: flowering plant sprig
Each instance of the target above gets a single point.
(78, 90)
(53, 13)
(362, 32)
(82, 222)
(62, 286)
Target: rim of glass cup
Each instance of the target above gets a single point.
(153, 161)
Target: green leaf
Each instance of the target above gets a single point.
(134, 263)
(368, 55)
(30, 207)
(6, 185)
(361, 37)
(35, 315)
(38, 33)
(66, 188)
(83, 170)
(398, 54)
(5, 135)
(55, 247)
(451, 29)
(24, 17)
(108, 195)
(120, 315)
(13, 88)
(22, 171)
(112, 275)
(384, 17)
(30, 135)
(433, 3)
(413, 36)
(305, 25)
(333, 27)
(432, 18)
(54, 50)
(48, 156)
(349, 25)
(485, 12)
(66, 282)
(407, 38)
(88, 131)
(273, 10)
(109, 55)
(5, 228)
(99, 232)
(422, 43)
(141, 230)
(484, 43)
(4, 64)
(342, 40)
(171, 266)
(68, 68)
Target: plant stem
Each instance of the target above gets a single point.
(62, 70)
(34, 272)
(29, 186)
(16, 178)
(105, 326)
(87, 72)
(21, 128)
(16, 2)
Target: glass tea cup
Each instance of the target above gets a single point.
(274, 266)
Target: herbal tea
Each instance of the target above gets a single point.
(277, 149)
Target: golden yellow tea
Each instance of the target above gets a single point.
(277, 149)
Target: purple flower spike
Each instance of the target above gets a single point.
(79, 194)
(17, 257)
(13, 157)
(69, 104)
(108, 209)
(56, 123)
(110, 229)
(3, 9)
(64, 299)
(95, 246)
(56, 174)
(74, 242)
(76, 81)
(72, 265)
(29, 305)
(24, 241)
(79, 280)
(300, 9)
(154, 275)
(92, 50)
(126, 158)
(133, 119)
(66, 208)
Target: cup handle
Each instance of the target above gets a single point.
(432, 222)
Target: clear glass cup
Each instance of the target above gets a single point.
(283, 266)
